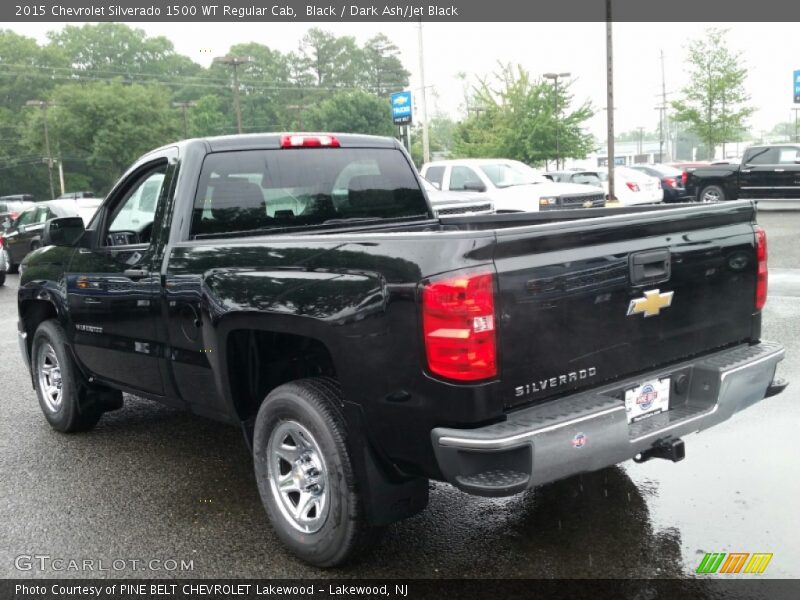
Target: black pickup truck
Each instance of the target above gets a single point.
(298, 287)
(771, 171)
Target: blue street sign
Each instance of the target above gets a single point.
(796, 80)
(401, 108)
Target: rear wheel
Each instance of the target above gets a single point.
(2, 277)
(305, 474)
(712, 193)
(57, 382)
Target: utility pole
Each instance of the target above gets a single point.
(183, 106)
(661, 110)
(555, 77)
(44, 105)
(610, 100)
(235, 62)
(641, 136)
(300, 109)
(61, 176)
(426, 146)
(663, 120)
(796, 137)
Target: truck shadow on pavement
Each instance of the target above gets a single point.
(160, 482)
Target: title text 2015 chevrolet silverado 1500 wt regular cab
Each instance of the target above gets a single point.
(298, 287)
(771, 171)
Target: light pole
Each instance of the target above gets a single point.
(183, 106)
(235, 62)
(610, 100)
(44, 105)
(555, 77)
(426, 148)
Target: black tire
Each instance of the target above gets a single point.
(65, 415)
(711, 193)
(2, 277)
(314, 404)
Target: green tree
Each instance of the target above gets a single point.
(206, 119)
(106, 126)
(515, 117)
(115, 48)
(334, 61)
(635, 135)
(441, 136)
(383, 70)
(352, 112)
(714, 102)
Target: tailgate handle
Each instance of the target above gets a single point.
(651, 266)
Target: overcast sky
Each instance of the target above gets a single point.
(771, 51)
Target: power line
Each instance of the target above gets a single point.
(175, 80)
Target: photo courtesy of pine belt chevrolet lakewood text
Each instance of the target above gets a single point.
(302, 288)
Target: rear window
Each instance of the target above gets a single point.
(277, 189)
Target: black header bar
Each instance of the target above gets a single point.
(236, 11)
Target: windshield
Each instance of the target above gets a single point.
(504, 175)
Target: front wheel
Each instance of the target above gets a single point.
(57, 383)
(712, 193)
(305, 474)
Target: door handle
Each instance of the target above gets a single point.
(136, 273)
(650, 266)
(779, 170)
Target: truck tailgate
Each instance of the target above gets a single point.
(566, 319)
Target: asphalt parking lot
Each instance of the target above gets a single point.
(153, 483)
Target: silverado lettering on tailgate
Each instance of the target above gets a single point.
(553, 382)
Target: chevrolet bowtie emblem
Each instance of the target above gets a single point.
(651, 304)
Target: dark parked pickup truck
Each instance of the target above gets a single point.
(365, 347)
(771, 171)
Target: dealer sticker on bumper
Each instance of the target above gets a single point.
(648, 399)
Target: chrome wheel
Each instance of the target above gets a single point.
(298, 476)
(49, 375)
(711, 195)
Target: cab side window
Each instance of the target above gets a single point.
(28, 217)
(460, 177)
(435, 175)
(761, 156)
(132, 219)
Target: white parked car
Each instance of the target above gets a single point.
(513, 186)
(631, 187)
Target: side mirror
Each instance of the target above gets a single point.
(64, 231)
(474, 186)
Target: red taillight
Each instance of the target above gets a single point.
(634, 187)
(684, 177)
(670, 181)
(309, 141)
(761, 260)
(458, 325)
(2, 240)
